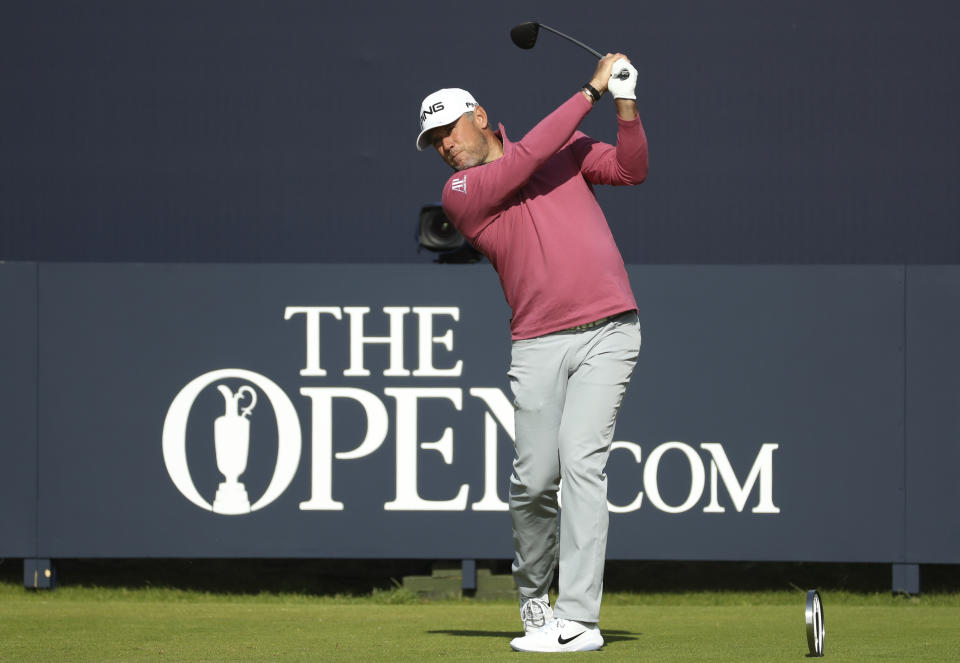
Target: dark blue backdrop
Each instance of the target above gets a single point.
(283, 131)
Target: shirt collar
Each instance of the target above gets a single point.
(501, 133)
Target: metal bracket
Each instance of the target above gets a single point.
(906, 578)
(468, 574)
(39, 574)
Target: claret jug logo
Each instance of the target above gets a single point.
(231, 440)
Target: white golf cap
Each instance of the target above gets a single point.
(441, 108)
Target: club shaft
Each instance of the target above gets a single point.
(595, 53)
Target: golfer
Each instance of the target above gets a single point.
(529, 207)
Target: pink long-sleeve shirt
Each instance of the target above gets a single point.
(534, 215)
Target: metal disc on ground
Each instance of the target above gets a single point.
(814, 619)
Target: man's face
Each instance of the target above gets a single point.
(462, 144)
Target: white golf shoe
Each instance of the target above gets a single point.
(535, 613)
(560, 635)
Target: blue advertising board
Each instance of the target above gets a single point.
(932, 413)
(364, 411)
(18, 410)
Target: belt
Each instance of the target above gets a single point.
(590, 325)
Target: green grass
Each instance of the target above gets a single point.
(156, 624)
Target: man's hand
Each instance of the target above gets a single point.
(605, 69)
(623, 87)
(610, 65)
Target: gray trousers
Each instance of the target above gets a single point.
(567, 389)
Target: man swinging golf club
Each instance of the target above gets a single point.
(529, 207)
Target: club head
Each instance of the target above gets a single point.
(524, 35)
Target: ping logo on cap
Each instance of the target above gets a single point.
(431, 110)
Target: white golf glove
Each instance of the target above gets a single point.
(623, 88)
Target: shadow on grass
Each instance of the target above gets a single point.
(619, 636)
(475, 634)
(608, 636)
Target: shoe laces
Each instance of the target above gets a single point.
(533, 613)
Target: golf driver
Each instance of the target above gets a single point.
(525, 36)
